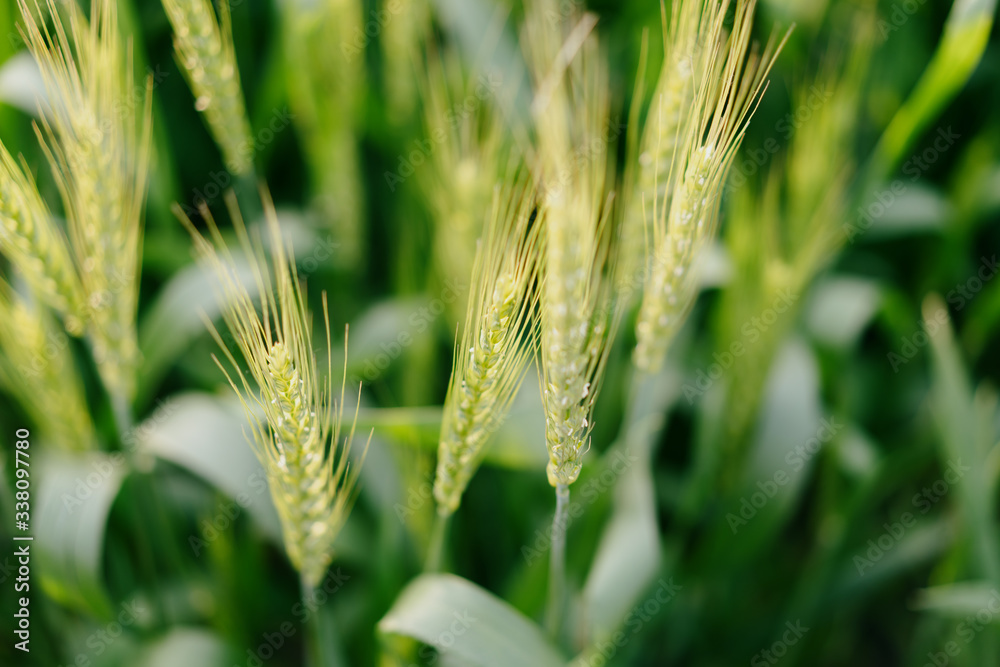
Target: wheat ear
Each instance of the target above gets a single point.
(688, 44)
(571, 115)
(729, 88)
(205, 52)
(37, 365)
(36, 246)
(311, 483)
(98, 148)
(493, 352)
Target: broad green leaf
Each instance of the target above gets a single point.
(840, 308)
(960, 599)
(470, 624)
(74, 498)
(963, 440)
(966, 34)
(205, 435)
(190, 647)
(21, 84)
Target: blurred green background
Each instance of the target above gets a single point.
(813, 480)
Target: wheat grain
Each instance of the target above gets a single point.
(205, 51)
(311, 484)
(492, 353)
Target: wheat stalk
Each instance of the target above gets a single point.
(98, 148)
(37, 366)
(729, 88)
(491, 355)
(36, 246)
(312, 485)
(205, 52)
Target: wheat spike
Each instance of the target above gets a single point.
(729, 88)
(37, 365)
(688, 44)
(312, 484)
(492, 353)
(571, 115)
(36, 246)
(98, 148)
(205, 52)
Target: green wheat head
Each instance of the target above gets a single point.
(297, 431)
(571, 115)
(492, 353)
(97, 139)
(728, 89)
(36, 246)
(205, 52)
(37, 366)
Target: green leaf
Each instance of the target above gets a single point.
(958, 600)
(966, 439)
(191, 647)
(75, 494)
(205, 435)
(21, 84)
(840, 308)
(966, 34)
(468, 623)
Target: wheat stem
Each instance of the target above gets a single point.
(556, 604)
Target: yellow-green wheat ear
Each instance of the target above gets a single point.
(730, 86)
(37, 366)
(97, 140)
(687, 43)
(572, 121)
(204, 46)
(298, 433)
(495, 346)
(36, 246)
